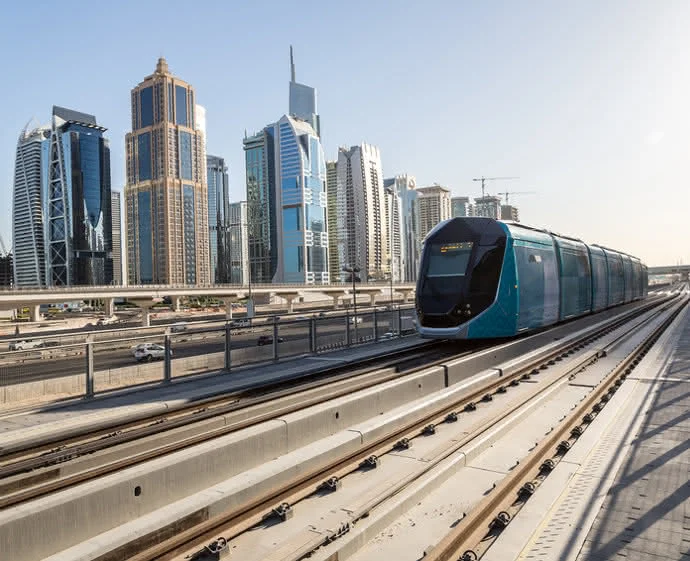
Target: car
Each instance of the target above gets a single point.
(389, 335)
(267, 340)
(178, 327)
(26, 345)
(241, 323)
(150, 351)
(107, 321)
(356, 319)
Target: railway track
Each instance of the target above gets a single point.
(45, 470)
(210, 538)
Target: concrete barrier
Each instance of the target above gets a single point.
(59, 521)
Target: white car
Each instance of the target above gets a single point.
(149, 351)
(178, 327)
(107, 321)
(354, 320)
(26, 345)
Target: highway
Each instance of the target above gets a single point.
(187, 344)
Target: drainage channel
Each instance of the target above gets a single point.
(202, 538)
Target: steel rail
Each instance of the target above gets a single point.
(41, 484)
(54, 451)
(470, 539)
(198, 529)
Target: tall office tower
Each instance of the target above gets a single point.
(261, 209)
(286, 198)
(510, 212)
(77, 201)
(394, 212)
(405, 186)
(334, 266)
(116, 213)
(27, 212)
(362, 223)
(238, 256)
(461, 206)
(166, 195)
(218, 219)
(303, 101)
(200, 125)
(488, 206)
(433, 206)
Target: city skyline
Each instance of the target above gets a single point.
(578, 111)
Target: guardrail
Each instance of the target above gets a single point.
(92, 367)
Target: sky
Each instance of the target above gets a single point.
(586, 102)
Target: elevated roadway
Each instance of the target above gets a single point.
(145, 296)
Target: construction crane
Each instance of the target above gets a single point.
(485, 179)
(508, 193)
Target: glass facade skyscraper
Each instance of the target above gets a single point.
(218, 219)
(286, 198)
(166, 192)
(77, 201)
(28, 250)
(62, 221)
(303, 101)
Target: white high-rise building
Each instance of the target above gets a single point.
(406, 187)
(433, 206)
(238, 250)
(115, 206)
(395, 213)
(362, 223)
(27, 215)
(334, 265)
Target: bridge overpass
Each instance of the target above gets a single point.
(670, 270)
(145, 296)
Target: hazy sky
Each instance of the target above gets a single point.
(587, 102)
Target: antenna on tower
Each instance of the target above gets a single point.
(292, 66)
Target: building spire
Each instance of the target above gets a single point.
(292, 66)
(162, 66)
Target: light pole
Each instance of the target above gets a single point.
(352, 271)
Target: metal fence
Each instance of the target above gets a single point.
(96, 366)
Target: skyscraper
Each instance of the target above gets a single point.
(261, 207)
(238, 254)
(461, 206)
(396, 241)
(27, 213)
(488, 206)
(433, 206)
(286, 198)
(334, 265)
(286, 195)
(116, 211)
(510, 212)
(218, 219)
(405, 186)
(303, 101)
(362, 223)
(166, 194)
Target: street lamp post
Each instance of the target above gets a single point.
(352, 271)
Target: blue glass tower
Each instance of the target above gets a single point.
(303, 100)
(76, 198)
